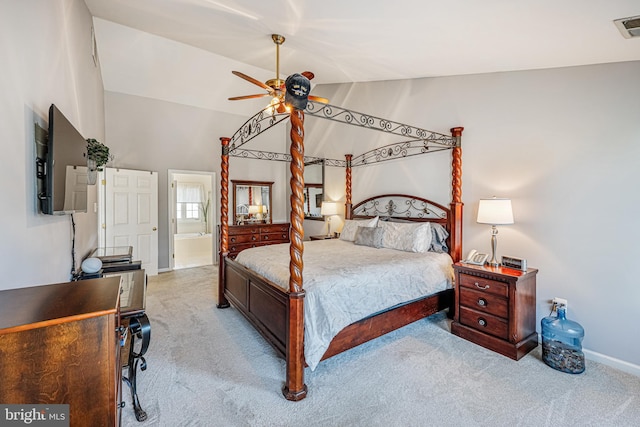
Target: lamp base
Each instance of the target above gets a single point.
(493, 262)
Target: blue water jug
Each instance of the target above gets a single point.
(562, 343)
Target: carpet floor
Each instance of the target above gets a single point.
(209, 367)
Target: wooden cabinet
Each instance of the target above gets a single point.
(60, 344)
(249, 236)
(495, 307)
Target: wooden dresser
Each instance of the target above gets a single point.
(495, 307)
(249, 236)
(60, 344)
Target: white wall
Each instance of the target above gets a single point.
(563, 144)
(148, 134)
(46, 58)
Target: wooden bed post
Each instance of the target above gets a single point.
(224, 220)
(294, 387)
(348, 202)
(456, 197)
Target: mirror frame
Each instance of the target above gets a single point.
(313, 185)
(244, 183)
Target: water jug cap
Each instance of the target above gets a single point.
(562, 311)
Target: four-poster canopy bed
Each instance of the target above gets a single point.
(277, 310)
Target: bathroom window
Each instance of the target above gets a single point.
(190, 198)
(188, 211)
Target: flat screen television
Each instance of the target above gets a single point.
(65, 169)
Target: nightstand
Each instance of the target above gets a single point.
(323, 237)
(495, 307)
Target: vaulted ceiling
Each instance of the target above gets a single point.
(169, 47)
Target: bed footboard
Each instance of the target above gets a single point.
(262, 302)
(386, 321)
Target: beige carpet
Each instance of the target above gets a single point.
(208, 367)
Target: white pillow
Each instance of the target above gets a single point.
(351, 226)
(414, 237)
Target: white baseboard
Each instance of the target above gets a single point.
(621, 365)
(163, 270)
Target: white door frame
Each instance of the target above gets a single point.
(171, 211)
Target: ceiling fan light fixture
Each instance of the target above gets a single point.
(276, 105)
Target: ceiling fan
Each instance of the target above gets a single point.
(274, 87)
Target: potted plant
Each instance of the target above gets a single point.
(98, 152)
(97, 157)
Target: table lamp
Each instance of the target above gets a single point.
(327, 209)
(494, 211)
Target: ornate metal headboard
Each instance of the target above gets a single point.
(401, 206)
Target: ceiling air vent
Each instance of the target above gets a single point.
(629, 27)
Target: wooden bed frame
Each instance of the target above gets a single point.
(279, 315)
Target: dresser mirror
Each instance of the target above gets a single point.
(252, 202)
(313, 189)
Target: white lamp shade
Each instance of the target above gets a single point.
(329, 208)
(254, 209)
(495, 211)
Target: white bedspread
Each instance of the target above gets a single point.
(345, 282)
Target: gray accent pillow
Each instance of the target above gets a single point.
(439, 236)
(369, 236)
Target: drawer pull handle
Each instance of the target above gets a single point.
(482, 302)
(266, 237)
(481, 287)
(482, 322)
(253, 238)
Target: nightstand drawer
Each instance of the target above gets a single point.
(484, 302)
(484, 322)
(485, 285)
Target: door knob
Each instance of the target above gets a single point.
(154, 228)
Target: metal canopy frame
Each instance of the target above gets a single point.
(422, 141)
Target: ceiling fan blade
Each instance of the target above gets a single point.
(319, 99)
(252, 80)
(238, 98)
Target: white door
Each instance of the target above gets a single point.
(131, 214)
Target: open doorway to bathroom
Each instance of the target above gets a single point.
(191, 216)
